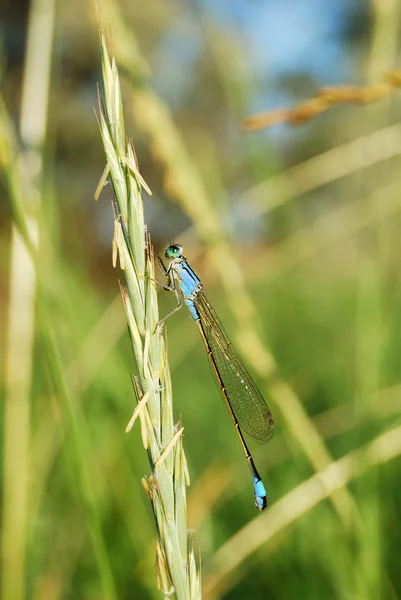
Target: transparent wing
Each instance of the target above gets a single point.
(247, 402)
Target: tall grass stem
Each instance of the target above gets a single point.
(166, 486)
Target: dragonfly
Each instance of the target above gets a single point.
(244, 401)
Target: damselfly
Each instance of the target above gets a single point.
(243, 399)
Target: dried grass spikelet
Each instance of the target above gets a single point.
(177, 572)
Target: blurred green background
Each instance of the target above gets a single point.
(295, 233)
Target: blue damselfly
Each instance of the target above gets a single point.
(241, 395)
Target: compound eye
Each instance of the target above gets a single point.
(173, 251)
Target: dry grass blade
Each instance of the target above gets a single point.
(296, 503)
(325, 98)
(344, 160)
(166, 487)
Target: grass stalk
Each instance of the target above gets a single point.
(27, 287)
(22, 293)
(166, 486)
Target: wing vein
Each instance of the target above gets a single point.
(247, 402)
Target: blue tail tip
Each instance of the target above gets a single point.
(260, 495)
(260, 502)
